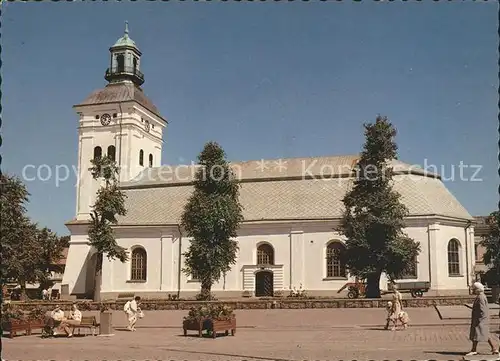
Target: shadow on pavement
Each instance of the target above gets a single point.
(121, 329)
(204, 335)
(447, 353)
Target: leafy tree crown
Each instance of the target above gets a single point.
(373, 219)
(211, 217)
(110, 203)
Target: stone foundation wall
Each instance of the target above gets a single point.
(276, 303)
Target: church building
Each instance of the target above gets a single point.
(292, 209)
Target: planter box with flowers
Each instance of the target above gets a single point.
(14, 320)
(36, 319)
(213, 318)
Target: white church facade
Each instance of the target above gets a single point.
(292, 209)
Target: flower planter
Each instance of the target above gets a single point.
(13, 326)
(211, 325)
(192, 325)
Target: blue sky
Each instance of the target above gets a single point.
(265, 80)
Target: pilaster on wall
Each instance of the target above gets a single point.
(167, 262)
(472, 255)
(107, 278)
(297, 259)
(435, 276)
(75, 272)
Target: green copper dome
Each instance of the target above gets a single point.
(125, 40)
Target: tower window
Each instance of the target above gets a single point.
(97, 153)
(150, 160)
(120, 63)
(97, 116)
(115, 115)
(112, 152)
(141, 157)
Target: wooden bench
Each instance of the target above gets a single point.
(87, 323)
(36, 325)
(15, 328)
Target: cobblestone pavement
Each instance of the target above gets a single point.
(339, 334)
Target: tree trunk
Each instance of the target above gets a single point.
(23, 296)
(373, 285)
(206, 290)
(96, 292)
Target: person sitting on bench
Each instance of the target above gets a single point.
(54, 320)
(74, 319)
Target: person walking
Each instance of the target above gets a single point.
(131, 309)
(395, 310)
(480, 322)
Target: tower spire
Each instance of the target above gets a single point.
(125, 61)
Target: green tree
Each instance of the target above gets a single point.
(65, 241)
(491, 243)
(373, 219)
(13, 200)
(211, 219)
(51, 252)
(28, 253)
(110, 203)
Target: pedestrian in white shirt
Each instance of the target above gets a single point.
(58, 314)
(131, 309)
(56, 317)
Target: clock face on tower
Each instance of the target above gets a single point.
(105, 119)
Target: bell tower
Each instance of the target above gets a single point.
(125, 61)
(118, 120)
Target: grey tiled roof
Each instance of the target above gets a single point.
(266, 169)
(120, 92)
(287, 195)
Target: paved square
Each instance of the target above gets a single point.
(313, 334)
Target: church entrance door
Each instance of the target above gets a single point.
(264, 284)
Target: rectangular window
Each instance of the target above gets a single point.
(195, 276)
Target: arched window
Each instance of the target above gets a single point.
(97, 153)
(150, 160)
(453, 258)
(412, 272)
(120, 63)
(139, 264)
(112, 152)
(141, 157)
(334, 265)
(265, 254)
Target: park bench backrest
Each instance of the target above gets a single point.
(88, 320)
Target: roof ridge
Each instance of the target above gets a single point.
(268, 160)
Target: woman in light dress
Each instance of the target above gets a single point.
(395, 309)
(480, 322)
